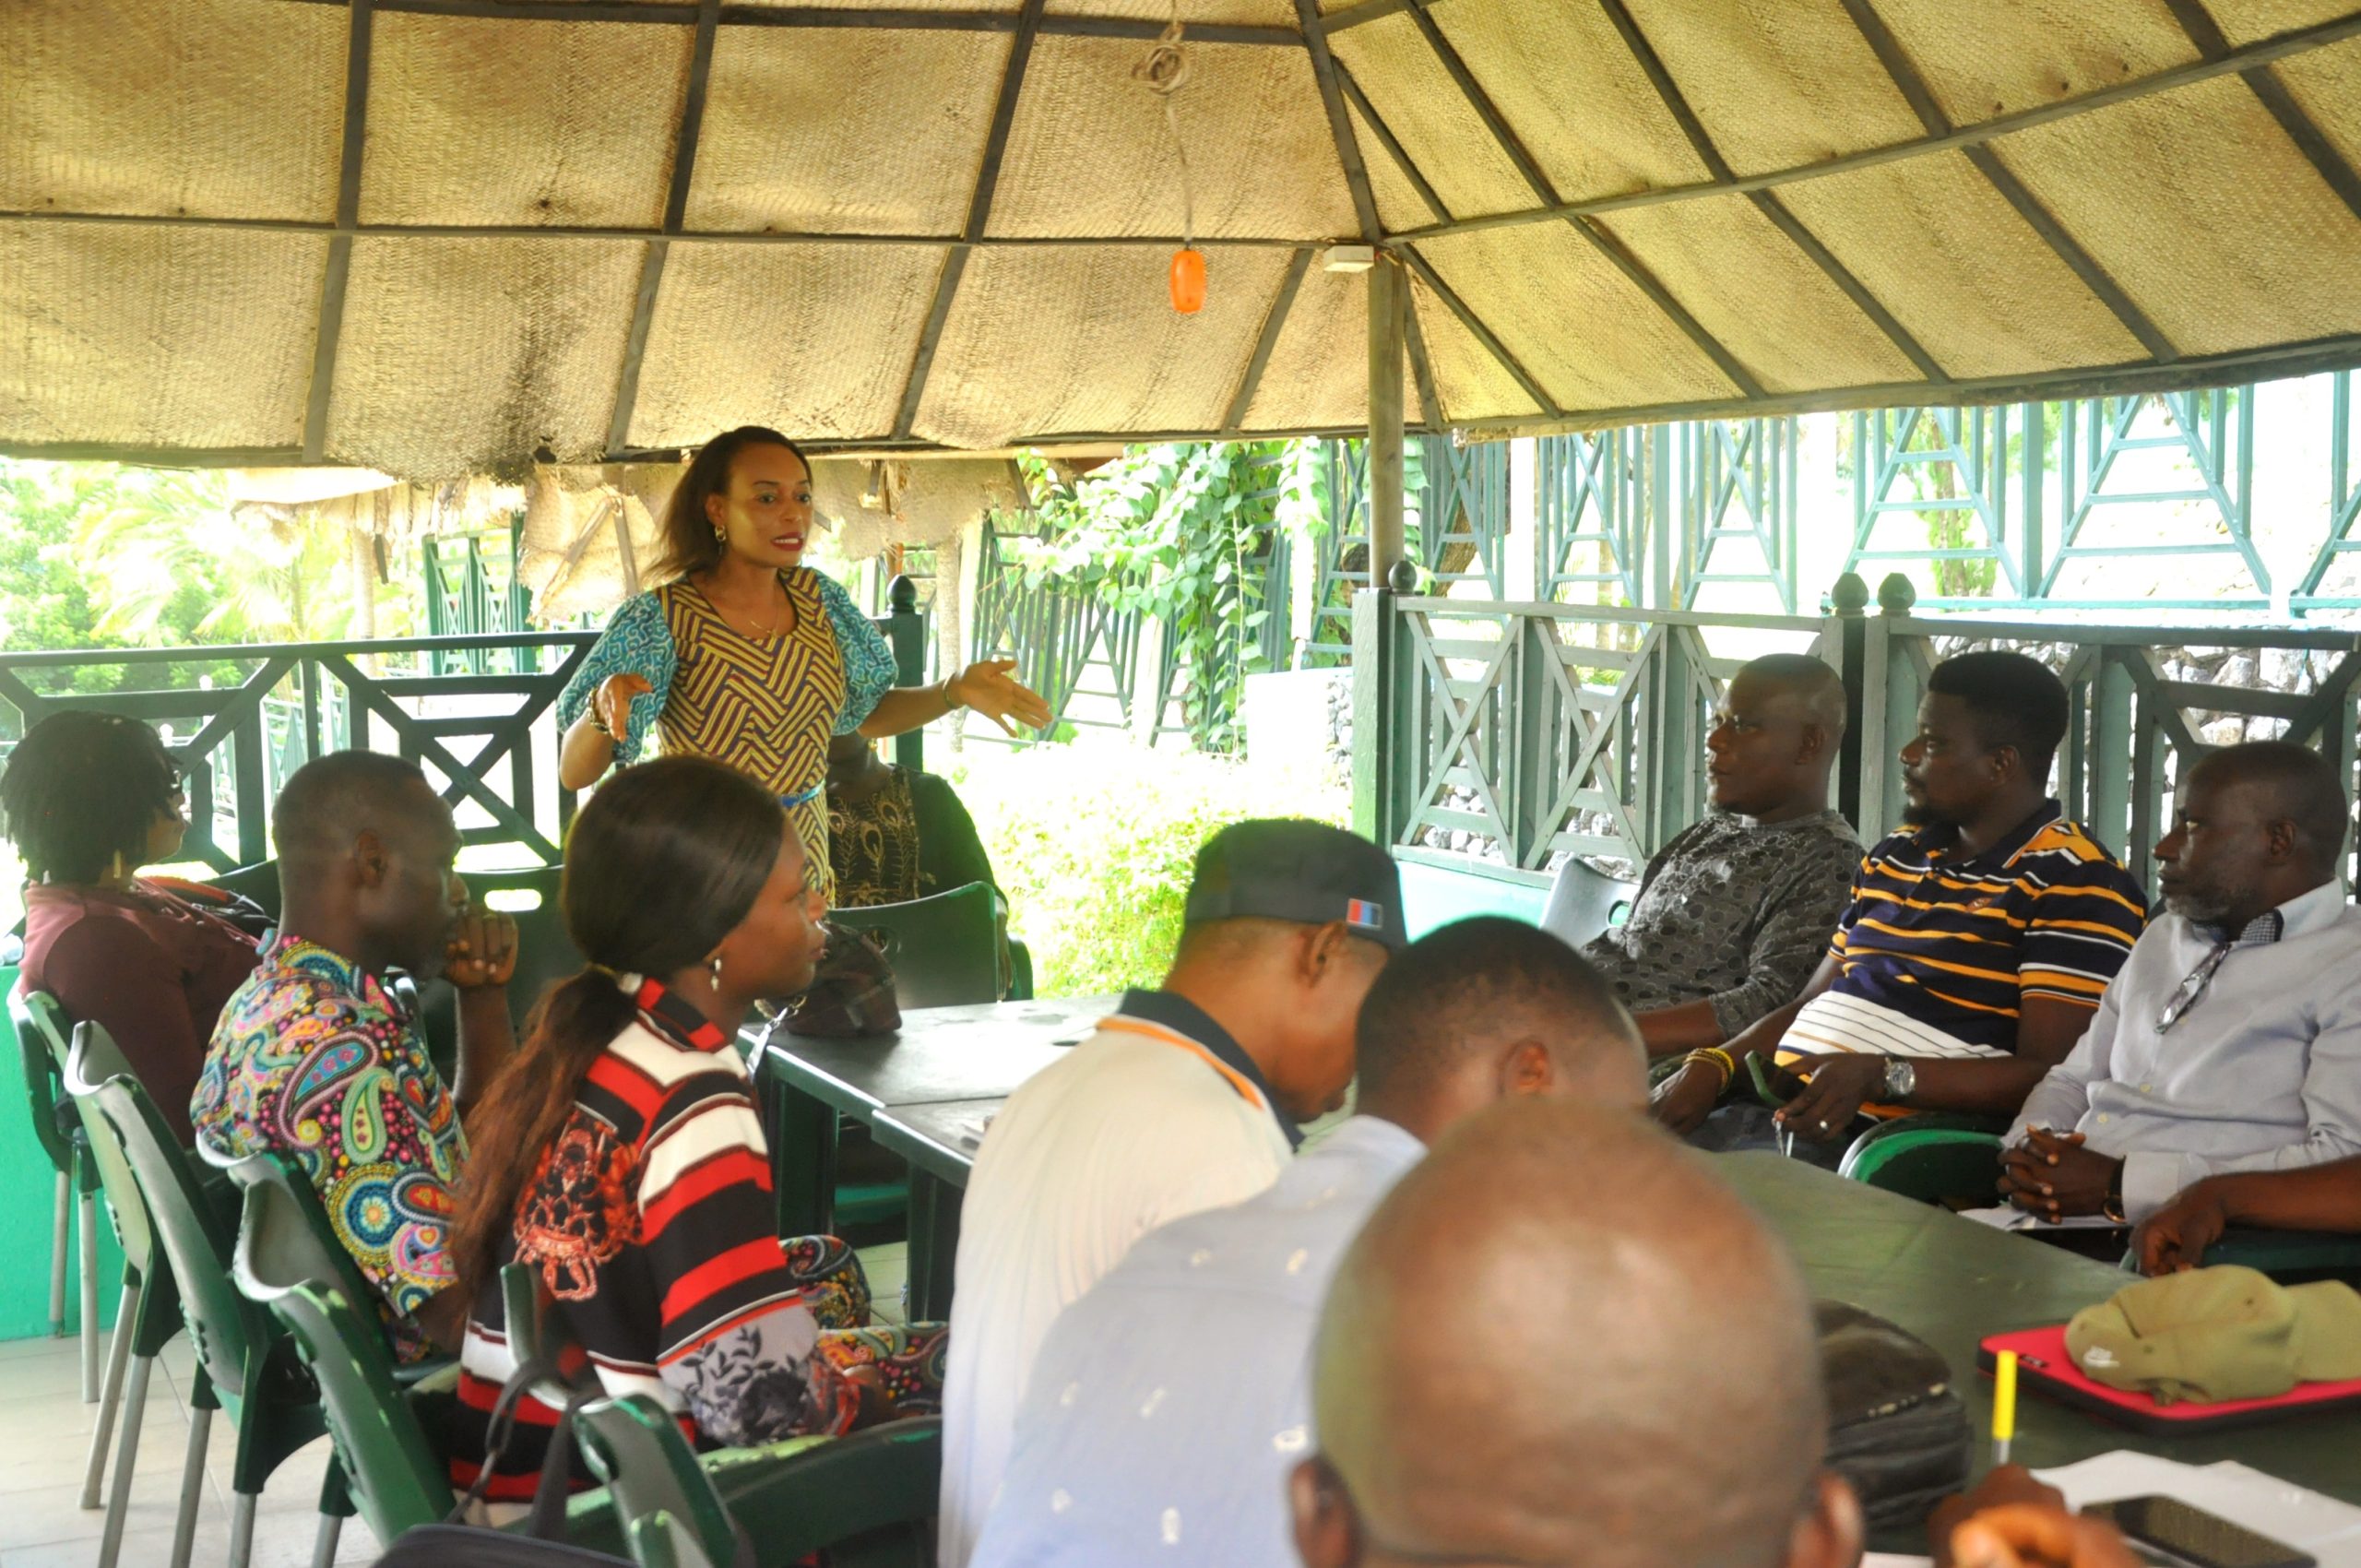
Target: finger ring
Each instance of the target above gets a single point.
(1824, 1126)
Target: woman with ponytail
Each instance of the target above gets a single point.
(620, 1156)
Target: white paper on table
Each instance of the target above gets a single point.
(2007, 1217)
(2329, 1530)
(1896, 1560)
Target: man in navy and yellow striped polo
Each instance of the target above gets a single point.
(1978, 939)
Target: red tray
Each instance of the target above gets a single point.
(2043, 1364)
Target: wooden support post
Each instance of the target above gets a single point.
(1387, 293)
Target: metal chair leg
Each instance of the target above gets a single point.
(61, 1226)
(135, 1405)
(193, 1484)
(242, 1529)
(324, 1544)
(336, 1507)
(90, 1298)
(126, 1323)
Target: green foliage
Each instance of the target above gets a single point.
(1093, 843)
(1184, 532)
(265, 581)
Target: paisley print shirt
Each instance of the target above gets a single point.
(314, 1060)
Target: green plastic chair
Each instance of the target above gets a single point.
(394, 1469)
(59, 1131)
(391, 1469)
(246, 1363)
(1584, 902)
(1936, 1156)
(945, 949)
(545, 954)
(2292, 1257)
(868, 1500)
(258, 882)
(658, 1540)
(147, 1314)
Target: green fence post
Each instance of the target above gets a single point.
(907, 636)
(1848, 600)
(2108, 771)
(1375, 705)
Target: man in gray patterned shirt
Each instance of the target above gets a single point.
(1734, 915)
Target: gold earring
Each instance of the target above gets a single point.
(717, 972)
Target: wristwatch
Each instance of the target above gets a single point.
(1900, 1078)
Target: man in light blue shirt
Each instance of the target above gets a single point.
(1169, 1402)
(2231, 1039)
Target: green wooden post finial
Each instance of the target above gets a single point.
(1403, 577)
(902, 594)
(1895, 595)
(1850, 596)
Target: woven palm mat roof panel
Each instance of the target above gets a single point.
(438, 237)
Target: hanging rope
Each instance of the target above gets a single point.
(1164, 69)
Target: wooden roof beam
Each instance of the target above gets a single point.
(1482, 334)
(2280, 46)
(2197, 23)
(347, 213)
(2096, 278)
(1392, 145)
(1340, 126)
(676, 209)
(1676, 103)
(979, 212)
(684, 13)
(1274, 322)
(1607, 245)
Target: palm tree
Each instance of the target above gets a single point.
(263, 579)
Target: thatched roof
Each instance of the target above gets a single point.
(438, 237)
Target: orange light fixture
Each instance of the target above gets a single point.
(1188, 282)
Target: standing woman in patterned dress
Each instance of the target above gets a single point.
(749, 656)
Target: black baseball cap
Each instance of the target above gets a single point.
(1294, 869)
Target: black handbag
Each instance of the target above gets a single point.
(851, 995)
(1898, 1429)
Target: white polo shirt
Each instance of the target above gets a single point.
(1157, 1115)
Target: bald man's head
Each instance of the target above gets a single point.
(1777, 730)
(1563, 1340)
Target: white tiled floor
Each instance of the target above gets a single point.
(45, 1440)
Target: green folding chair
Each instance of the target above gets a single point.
(147, 1314)
(258, 882)
(1584, 902)
(945, 949)
(1937, 1157)
(246, 1363)
(394, 1468)
(545, 954)
(868, 1500)
(35, 1018)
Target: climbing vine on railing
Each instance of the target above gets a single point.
(1197, 535)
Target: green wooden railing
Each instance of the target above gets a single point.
(489, 742)
(1499, 738)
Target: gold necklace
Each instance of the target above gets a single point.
(760, 635)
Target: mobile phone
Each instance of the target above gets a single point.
(2193, 1537)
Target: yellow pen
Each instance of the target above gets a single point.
(2004, 1406)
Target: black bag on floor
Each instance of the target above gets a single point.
(1898, 1429)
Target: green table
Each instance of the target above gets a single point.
(1952, 1282)
(940, 1142)
(940, 1054)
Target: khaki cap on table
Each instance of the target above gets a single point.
(2215, 1335)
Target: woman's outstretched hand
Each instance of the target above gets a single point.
(986, 687)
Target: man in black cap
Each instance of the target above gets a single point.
(1186, 1099)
